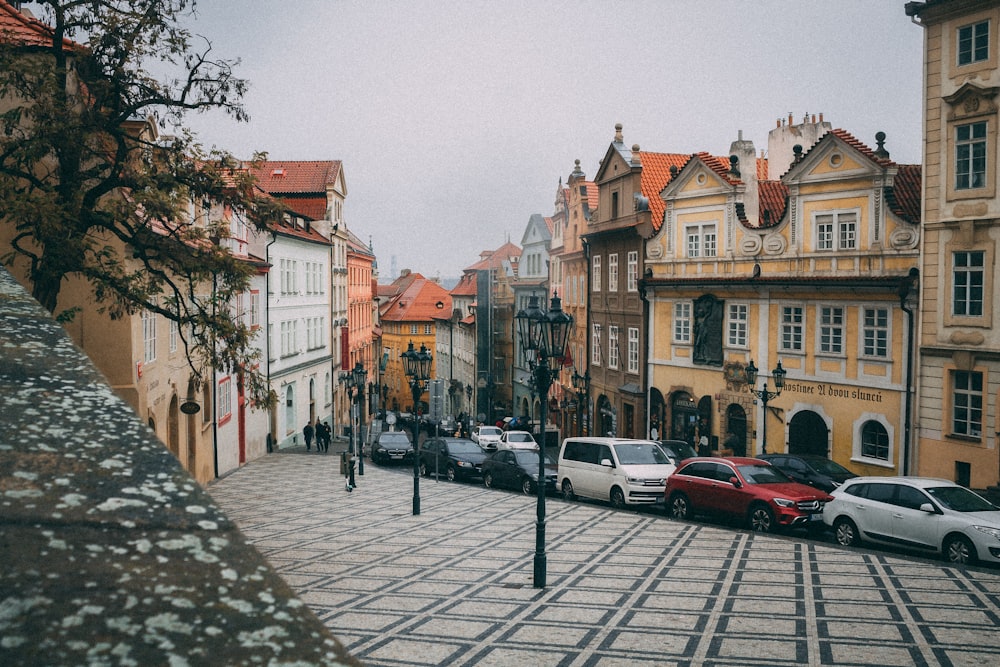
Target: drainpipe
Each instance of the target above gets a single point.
(906, 287)
(267, 334)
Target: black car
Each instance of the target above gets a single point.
(816, 471)
(677, 450)
(392, 447)
(453, 458)
(518, 469)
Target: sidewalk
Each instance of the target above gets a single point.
(453, 586)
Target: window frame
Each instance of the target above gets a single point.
(633, 350)
(632, 271)
(795, 328)
(224, 400)
(973, 57)
(595, 344)
(698, 231)
(612, 272)
(831, 335)
(595, 275)
(735, 337)
(613, 355)
(865, 328)
(681, 329)
(830, 227)
(974, 406)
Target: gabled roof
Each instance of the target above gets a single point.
(655, 176)
(27, 31)
(417, 301)
(494, 259)
(298, 176)
(467, 285)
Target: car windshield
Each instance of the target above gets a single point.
(762, 474)
(679, 450)
(526, 458)
(489, 430)
(641, 454)
(519, 437)
(960, 499)
(394, 439)
(828, 467)
(463, 447)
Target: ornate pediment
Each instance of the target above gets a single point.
(971, 100)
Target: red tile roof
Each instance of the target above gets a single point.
(298, 176)
(417, 301)
(903, 197)
(773, 197)
(467, 285)
(655, 175)
(493, 259)
(17, 28)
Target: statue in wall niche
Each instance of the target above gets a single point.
(708, 318)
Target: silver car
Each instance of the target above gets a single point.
(928, 515)
(487, 437)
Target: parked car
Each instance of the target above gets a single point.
(487, 437)
(677, 450)
(454, 458)
(743, 488)
(517, 440)
(817, 471)
(518, 469)
(620, 470)
(928, 515)
(392, 447)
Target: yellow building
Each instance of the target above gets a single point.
(799, 260)
(959, 355)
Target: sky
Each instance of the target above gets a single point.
(456, 120)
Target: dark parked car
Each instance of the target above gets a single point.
(392, 447)
(518, 469)
(745, 489)
(817, 471)
(677, 450)
(454, 458)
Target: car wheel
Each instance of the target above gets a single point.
(761, 518)
(958, 549)
(617, 498)
(488, 480)
(423, 469)
(680, 506)
(567, 490)
(846, 532)
(450, 473)
(527, 488)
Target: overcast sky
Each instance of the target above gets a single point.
(456, 120)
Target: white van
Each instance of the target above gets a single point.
(620, 470)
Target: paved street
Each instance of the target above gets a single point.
(453, 586)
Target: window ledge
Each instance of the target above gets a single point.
(873, 462)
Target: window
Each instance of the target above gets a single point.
(967, 278)
(148, 336)
(595, 346)
(970, 156)
(633, 271)
(413, 329)
(791, 328)
(613, 272)
(967, 410)
(874, 441)
(837, 231)
(682, 322)
(633, 350)
(701, 240)
(427, 330)
(174, 333)
(738, 325)
(225, 398)
(596, 279)
(875, 332)
(289, 336)
(831, 330)
(974, 43)
(612, 347)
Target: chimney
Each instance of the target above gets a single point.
(782, 140)
(746, 158)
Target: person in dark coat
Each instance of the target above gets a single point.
(323, 436)
(308, 432)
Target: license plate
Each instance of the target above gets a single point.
(815, 517)
(396, 456)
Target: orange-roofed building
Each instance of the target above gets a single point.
(408, 312)
(794, 260)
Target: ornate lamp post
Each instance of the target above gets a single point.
(543, 340)
(763, 394)
(354, 380)
(582, 385)
(417, 367)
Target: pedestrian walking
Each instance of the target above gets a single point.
(323, 436)
(308, 432)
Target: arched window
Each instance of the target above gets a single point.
(874, 441)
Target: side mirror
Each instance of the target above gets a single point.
(927, 507)
(735, 481)
(607, 463)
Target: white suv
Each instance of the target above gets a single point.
(929, 515)
(517, 440)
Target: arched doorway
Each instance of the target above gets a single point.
(808, 434)
(312, 400)
(683, 417)
(173, 426)
(289, 410)
(736, 429)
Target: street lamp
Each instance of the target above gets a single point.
(416, 366)
(543, 341)
(763, 394)
(354, 380)
(582, 385)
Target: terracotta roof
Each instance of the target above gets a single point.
(467, 285)
(493, 259)
(655, 175)
(16, 28)
(849, 139)
(417, 301)
(903, 197)
(298, 176)
(773, 197)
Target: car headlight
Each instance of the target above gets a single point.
(784, 502)
(989, 530)
(463, 464)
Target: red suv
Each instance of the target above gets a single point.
(743, 488)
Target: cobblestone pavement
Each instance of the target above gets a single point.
(453, 586)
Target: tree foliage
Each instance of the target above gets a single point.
(88, 190)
